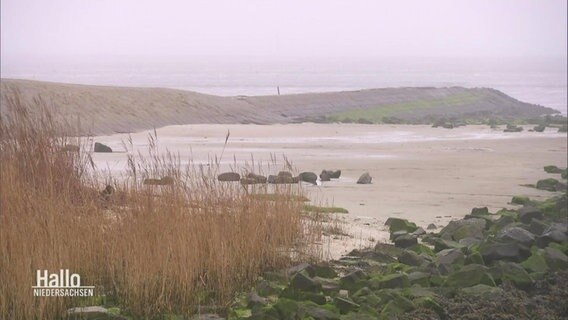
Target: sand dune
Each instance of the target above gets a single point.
(106, 110)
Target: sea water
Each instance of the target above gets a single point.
(541, 81)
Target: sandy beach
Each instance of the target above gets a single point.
(427, 175)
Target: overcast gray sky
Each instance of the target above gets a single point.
(284, 28)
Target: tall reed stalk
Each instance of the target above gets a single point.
(151, 250)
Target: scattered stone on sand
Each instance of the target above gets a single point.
(99, 147)
(252, 178)
(229, 176)
(309, 177)
(165, 181)
(365, 178)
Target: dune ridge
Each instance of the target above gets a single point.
(108, 110)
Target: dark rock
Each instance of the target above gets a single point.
(411, 258)
(419, 278)
(388, 249)
(283, 177)
(550, 184)
(328, 286)
(441, 244)
(432, 226)
(325, 176)
(527, 213)
(405, 241)
(335, 174)
(301, 267)
(350, 280)
(480, 211)
(522, 200)
(398, 224)
(555, 259)
(309, 177)
(398, 305)
(538, 227)
(512, 251)
(257, 177)
(539, 128)
(390, 281)
(397, 234)
(459, 229)
(536, 262)
(324, 270)
(474, 258)
(286, 309)
(345, 305)
(266, 288)
(552, 169)
(229, 176)
(504, 221)
(555, 233)
(419, 232)
(469, 241)
(167, 180)
(513, 128)
(302, 282)
(517, 234)
(511, 272)
(254, 300)
(99, 147)
(365, 178)
(470, 275)
(332, 174)
(452, 257)
(285, 174)
(317, 313)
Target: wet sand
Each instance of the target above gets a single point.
(421, 173)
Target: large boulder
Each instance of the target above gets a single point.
(332, 174)
(552, 169)
(511, 251)
(555, 259)
(398, 224)
(517, 234)
(406, 241)
(365, 178)
(309, 177)
(459, 229)
(391, 281)
(555, 233)
(229, 176)
(282, 179)
(451, 257)
(550, 184)
(99, 147)
(411, 258)
(302, 282)
(470, 275)
(325, 176)
(252, 178)
(527, 213)
(511, 272)
(351, 280)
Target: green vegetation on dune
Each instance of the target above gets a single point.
(379, 113)
(316, 209)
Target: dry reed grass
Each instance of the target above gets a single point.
(152, 250)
